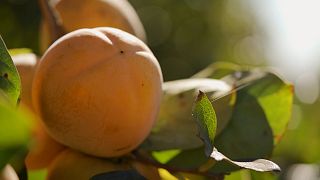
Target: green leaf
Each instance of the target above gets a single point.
(176, 111)
(205, 116)
(119, 175)
(15, 132)
(9, 77)
(261, 165)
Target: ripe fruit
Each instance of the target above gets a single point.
(77, 14)
(98, 91)
(75, 165)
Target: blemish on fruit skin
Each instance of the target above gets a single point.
(121, 52)
(142, 84)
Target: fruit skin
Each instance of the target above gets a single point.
(98, 91)
(71, 164)
(77, 14)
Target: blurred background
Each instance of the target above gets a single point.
(188, 35)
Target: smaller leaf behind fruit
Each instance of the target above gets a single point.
(205, 116)
(261, 165)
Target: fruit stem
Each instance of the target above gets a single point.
(55, 28)
(144, 158)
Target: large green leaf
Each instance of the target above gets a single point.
(9, 77)
(175, 128)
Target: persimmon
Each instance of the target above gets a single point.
(98, 91)
(77, 14)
